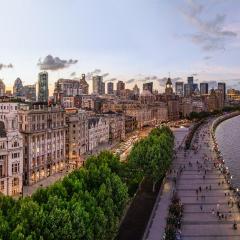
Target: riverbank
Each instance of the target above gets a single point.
(221, 164)
(210, 205)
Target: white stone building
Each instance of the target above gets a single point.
(98, 132)
(11, 150)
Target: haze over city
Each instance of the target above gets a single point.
(126, 40)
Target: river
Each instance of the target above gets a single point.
(228, 139)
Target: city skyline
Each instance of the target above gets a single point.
(126, 41)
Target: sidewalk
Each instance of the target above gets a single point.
(158, 221)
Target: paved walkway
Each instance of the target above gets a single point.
(158, 222)
(200, 171)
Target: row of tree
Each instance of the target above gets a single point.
(152, 156)
(203, 114)
(89, 202)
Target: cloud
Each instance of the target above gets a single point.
(207, 58)
(5, 66)
(73, 74)
(154, 77)
(105, 75)
(96, 71)
(130, 80)
(55, 63)
(210, 35)
(89, 75)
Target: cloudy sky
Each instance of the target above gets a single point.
(132, 40)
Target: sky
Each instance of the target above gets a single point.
(132, 40)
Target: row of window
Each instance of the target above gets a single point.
(15, 183)
(16, 155)
(15, 169)
(6, 107)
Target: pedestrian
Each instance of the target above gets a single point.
(200, 189)
(201, 207)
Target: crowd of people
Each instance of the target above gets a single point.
(204, 149)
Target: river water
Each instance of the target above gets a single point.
(228, 139)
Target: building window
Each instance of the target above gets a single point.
(15, 168)
(16, 155)
(2, 186)
(15, 182)
(1, 170)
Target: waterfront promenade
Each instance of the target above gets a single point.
(157, 222)
(210, 213)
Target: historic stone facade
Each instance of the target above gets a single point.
(11, 150)
(43, 129)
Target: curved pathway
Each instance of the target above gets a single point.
(209, 206)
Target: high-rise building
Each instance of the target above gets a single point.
(84, 85)
(103, 88)
(187, 90)
(110, 88)
(190, 80)
(222, 87)
(2, 88)
(43, 87)
(98, 85)
(120, 87)
(11, 150)
(29, 92)
(18, 88)
(148, 86)
(195, 87)
(203, 88)
(179, 88)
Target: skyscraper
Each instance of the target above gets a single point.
(18, 88)
(43, 87)
(98, 85)
(2, 88)
(179, 88)
(120, 87)
(222, 87)
(110, 88)
(84, 85)
(203, 88)
(189, 87)
(148, 86)
(187, 90)
(190, 80)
